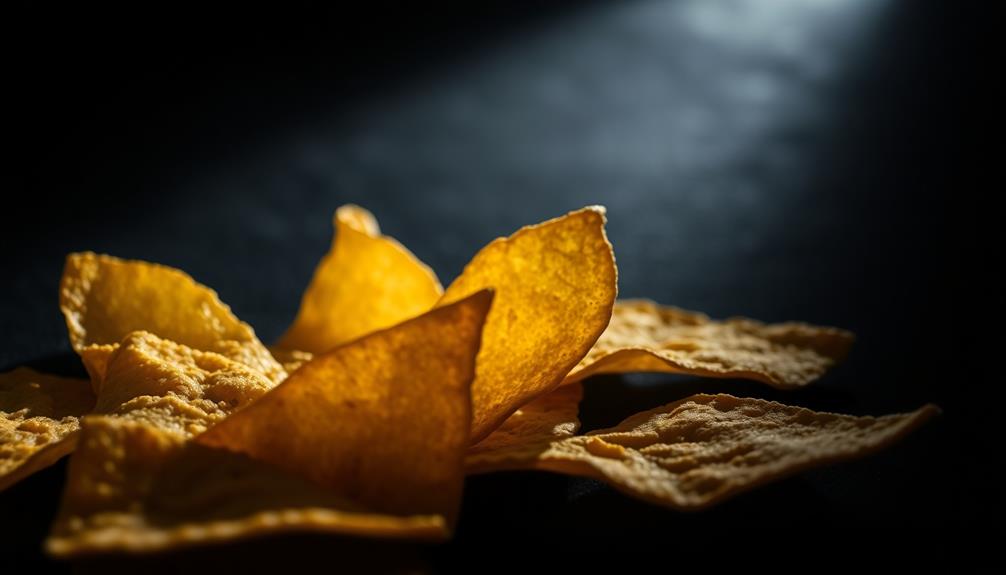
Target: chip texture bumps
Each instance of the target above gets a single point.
(39, 419)
(104, 298)
(366, 282)
(132, 487)
(706, 448)
(529, 430)
(175, 387)
(383, 421)
(645, 336)
(555, 285)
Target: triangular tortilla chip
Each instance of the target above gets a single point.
(364, 283)
(645, 336)
(529, 431)
(704, 449)
(290, 359)
(174, 387)
(131, 487)
(383, 421)
(105, 298)
(39, 419)
(555, 285)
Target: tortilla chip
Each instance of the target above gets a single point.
(174, 387)
(529, 431)
(366, 282)
(704, 449)
(383, 420)
(555, 285)
(105, 298)
(291, 359)
(136, 488)
(39, 419)
(645, 336)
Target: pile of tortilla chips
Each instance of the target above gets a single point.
(388, 389)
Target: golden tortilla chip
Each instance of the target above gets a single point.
(39, 418)
(174, 387)
(555, 285)
(645, 336)
(366, 282)
(136, 488)
(383, 420)
(696, 452)
(291, 359)
(105, 298)
(529, 431)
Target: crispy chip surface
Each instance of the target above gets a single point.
(171, 386)
(104, 298)
(39, 419)
(706, 448)
(529, 430)
(132, 487)
(383, 420)
(555, 285)
(366, 282)
(645, 336)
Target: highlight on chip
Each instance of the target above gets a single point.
(555, 286)
(132, 487)
(367, 281)
(39, 419)
(704, 449)
(529, 431)
(645, 336)
(171, 386)
(383, 420)
(104, 298)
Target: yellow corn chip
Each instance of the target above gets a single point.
(555, 285)
(383, 420)
(645, 336)
(39, 418)
(366, 282)
(291, 359)
(105, 298)
(529, 431)
(706, 448)
(174, 387)
(136, 488)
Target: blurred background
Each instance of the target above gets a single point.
(781, 159)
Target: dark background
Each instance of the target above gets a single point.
(782, 160)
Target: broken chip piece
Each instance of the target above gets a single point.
(39, 419)
(555, 285)
(171, 386)
(696, 452)
(104, 298)
(365, 282)
(132, 487)
(645, 336)
(339, 419)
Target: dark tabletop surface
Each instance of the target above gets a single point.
(780, 160)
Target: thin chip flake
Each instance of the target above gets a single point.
(367, 281)
(701, 450)
(171, 386)
(645, 336)
(39, 419)
(555, 285)
(104, 298)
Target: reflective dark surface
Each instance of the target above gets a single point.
(797, 159)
